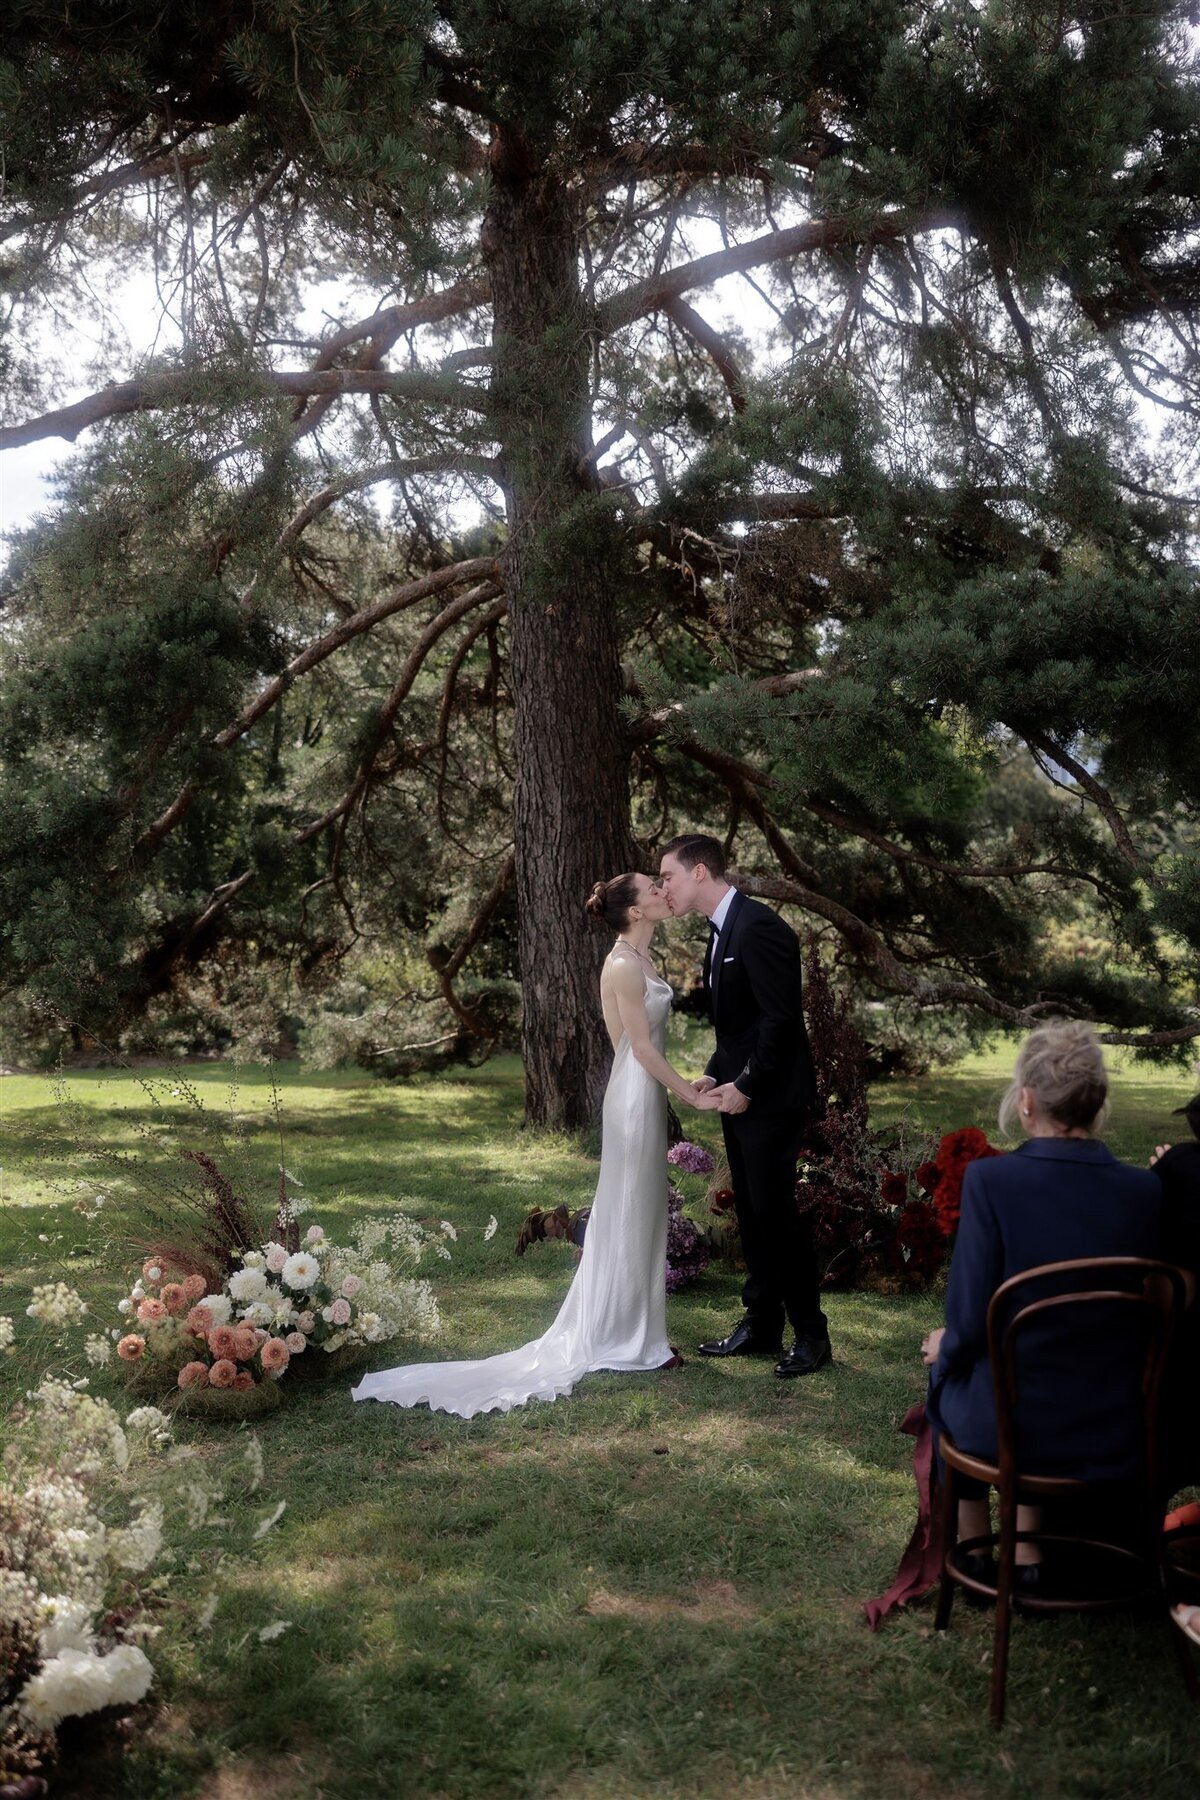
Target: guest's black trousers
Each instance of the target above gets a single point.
(777, 1241)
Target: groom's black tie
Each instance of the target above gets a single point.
(711, 958)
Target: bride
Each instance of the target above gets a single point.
(615, 1314)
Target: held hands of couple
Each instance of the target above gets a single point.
(726, 1098)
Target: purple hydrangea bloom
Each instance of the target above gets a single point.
(687, 1253)
(692, 1157)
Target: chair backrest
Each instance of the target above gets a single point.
(1097, 1292)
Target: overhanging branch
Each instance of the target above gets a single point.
(152, 392)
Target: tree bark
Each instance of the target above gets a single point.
(562, 569)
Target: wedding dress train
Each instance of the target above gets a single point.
(615, 1313)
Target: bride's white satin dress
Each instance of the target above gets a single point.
(615, 1314)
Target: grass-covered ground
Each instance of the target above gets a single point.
(650, 1589)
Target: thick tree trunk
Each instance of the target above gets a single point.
(562, 569)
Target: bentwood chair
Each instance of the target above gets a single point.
(1140, 1299)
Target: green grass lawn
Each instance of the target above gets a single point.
(651, 1588)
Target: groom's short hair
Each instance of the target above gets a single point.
(695, 848)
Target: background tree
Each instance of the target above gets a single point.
(845, 583)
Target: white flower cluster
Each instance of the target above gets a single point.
(83, 1681)
(98, 1351)
(326, 1295)
(152, 1421)
(80, 1531)
(137, 1545)
(57, 1305)
(8, 1334)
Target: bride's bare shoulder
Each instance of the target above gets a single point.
(622, 966)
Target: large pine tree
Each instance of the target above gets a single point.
(839, 583)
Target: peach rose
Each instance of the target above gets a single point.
(150, 1311)
(307, 1321)
(193, 1374)
(260, 1336)
(340, 1312)
(195, 1287)
(351, 1286)
(275, 1356)
(245, 1342)
(276, 1257)
(243, 1380)
(200, 1320)
(222, 1341)
(174, 1298)
(130, 1347)
(223, 1373)
(296, 1342)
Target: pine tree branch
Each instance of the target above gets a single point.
(446, 968)
(172, 162)
(642, 297)
(939, 992)
(437, 627)
(400, 598)
(441, 741)
(391, 322)
(1096, 792)
(452, 463)
(408, 594)
(151, 392)
(715, 347)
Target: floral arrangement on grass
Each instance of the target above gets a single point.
(942, 1178)
(687, 1251)
(884, 1204)
(276, 1305)
(94, 1510)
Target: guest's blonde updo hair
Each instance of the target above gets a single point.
(1063, 1064)
(610, 901)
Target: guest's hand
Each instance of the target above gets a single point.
(931, 1345)
(1159, 1150)
(730, 1098)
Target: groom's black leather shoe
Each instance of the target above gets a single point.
(805, 1355)
(743, 1340)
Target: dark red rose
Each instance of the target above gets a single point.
(956, 1151)
(894, 1188)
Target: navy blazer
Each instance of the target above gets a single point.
(754, 993)
(1051, 1200)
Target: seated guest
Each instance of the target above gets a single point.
(1178, 1169)
(1060, 1195)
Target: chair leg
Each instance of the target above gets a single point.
(1004, 1588)
(948, 1507)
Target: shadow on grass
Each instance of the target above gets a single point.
(664, 1605)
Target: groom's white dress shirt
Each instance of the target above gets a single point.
(717, 920)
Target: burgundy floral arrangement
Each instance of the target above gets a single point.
(883, 1203)
(943, 1178)
(687, 1252)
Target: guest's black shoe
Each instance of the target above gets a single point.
(744, 1340)
(981, 1566)
(806, 1355)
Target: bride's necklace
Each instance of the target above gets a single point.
(640, 954)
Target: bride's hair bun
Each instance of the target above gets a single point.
(611, 900)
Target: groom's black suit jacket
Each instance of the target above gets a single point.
(754, 998)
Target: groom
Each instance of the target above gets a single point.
(762, 1074)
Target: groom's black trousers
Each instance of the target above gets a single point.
(777, 1241)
